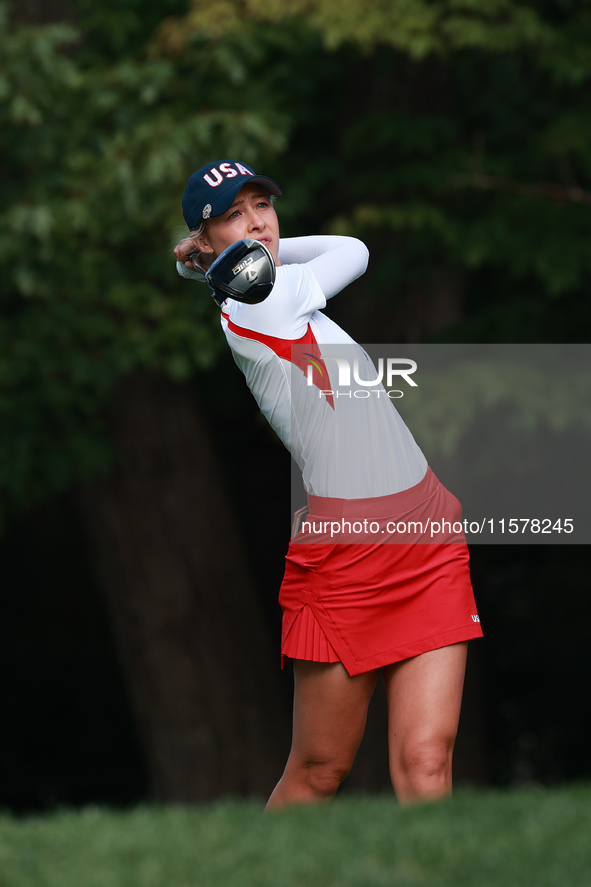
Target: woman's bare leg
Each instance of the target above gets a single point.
(424, 698)
(329, 715)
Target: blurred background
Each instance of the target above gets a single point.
(144, 502)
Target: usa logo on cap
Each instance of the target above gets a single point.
(212, 189)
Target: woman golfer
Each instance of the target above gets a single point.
(367, 588)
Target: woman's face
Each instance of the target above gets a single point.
(251, 215)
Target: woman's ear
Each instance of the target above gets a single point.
(202, 242)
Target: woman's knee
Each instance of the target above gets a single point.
(323, 777)
(425, 759)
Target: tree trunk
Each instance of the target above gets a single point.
(189, 624)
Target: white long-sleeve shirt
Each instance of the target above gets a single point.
(349, 441)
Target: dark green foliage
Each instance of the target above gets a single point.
(97, 154)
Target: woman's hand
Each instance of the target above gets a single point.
(187, 252)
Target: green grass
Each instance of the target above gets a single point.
(513, 839)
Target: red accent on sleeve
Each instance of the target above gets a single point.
(283, 348)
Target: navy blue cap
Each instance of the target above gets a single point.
(211, 190)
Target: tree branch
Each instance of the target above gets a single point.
(550, 190)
